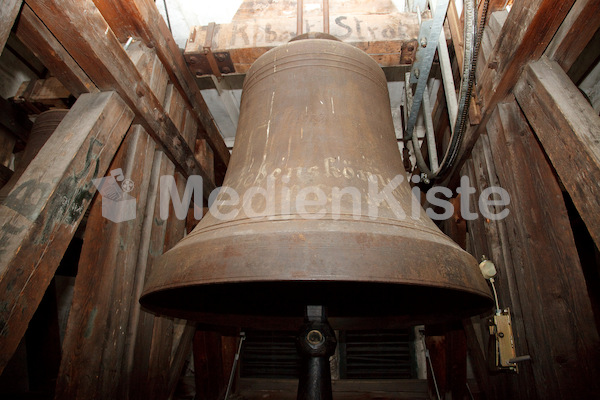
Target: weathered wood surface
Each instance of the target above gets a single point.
(41, 213)
(87, 37)
(569, 129)
(150, 359)
(346, 389)
(383, 37)
(140, 18)
(574, 33)
(48, 91)
(490, 238)
(96, 336)
(8, 13)
(36, 36)
(542, 270)
(208, 365)
(525, 35)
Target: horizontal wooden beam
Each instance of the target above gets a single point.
(568, 128)
(574, 33)
(84, 33)
(140, 18)
(390, 39)
(41, 213)
(346, 389)
(36, 36)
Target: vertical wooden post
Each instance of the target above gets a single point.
(93, 348)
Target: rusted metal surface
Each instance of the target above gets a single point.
(315, 114)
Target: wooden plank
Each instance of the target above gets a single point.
(550, 286)
(86, 35)
(208, 365)
(568, 128)
(574, 33)
(190, 132)
(36, 36)
(41, 213)
(8, 13)
(183, 350)
(345, 389)
(489, 238)
(175, 107)
(379, 35)
(96, 336)
(141, 327)
(528, 29)
(46, 91)
(141, 18)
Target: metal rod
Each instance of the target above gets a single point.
(429, 133)
(234, 366)
(447, 78)
(428, 357)
(325, 16)
(299, 17)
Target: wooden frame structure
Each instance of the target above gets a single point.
(139, 108)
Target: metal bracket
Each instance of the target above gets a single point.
(208, 52)
(502, 333)
(429, 35)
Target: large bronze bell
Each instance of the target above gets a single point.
(315, 137)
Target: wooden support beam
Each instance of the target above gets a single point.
(524, 37)
(141, 18)
(181, 350)
(41, 213)
(142, 323)
(96, 336)
(87, 37)
(8, 13)
(489, 238)
(574, 33)
(344, 389)
(549, 286)
(208, 364)
(568, 128)
(36, 36)
(382, 36)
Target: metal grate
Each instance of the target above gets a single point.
(375, 355)
(269, 354)
(362, 355)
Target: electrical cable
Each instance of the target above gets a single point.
(167, 14)
(472, 43)
(495, 296)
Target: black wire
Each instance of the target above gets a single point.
(167, 14)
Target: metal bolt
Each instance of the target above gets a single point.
(139, 91)
(220, 57)
(226, 70)
(500, 334)
(423, 42)
(315, 337)
(193, 60)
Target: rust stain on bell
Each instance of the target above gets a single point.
(314, 223)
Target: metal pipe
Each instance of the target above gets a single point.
(325, 16)
(429, 133)
(299, 17)
(234, 366)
